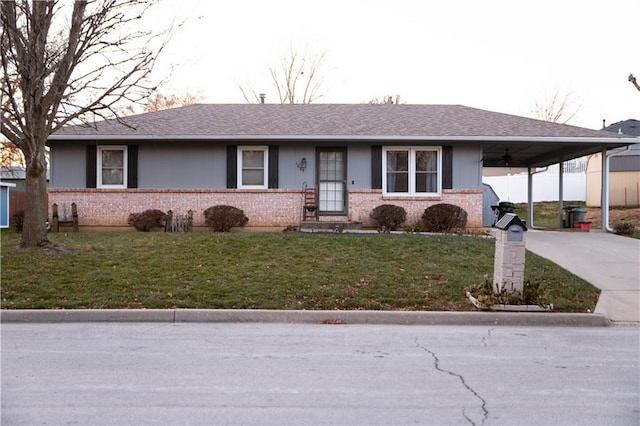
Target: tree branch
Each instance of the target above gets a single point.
(633, 80)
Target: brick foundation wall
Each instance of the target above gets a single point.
(362, 202)
(111, 208)
(264, 208)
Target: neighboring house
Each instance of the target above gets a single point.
(15, 175)
(624, 171)
(5, 203)
(259, 158)
(13, 181)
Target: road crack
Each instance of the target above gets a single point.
(436, 363)
(484, 339)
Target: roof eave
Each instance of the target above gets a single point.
(622, 140)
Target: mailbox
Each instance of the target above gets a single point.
(509, 222)
(510, 254)
(515, 233)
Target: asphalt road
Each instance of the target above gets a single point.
(302, 374)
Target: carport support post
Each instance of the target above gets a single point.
(560, 192)
(604, 201)
(529, 198)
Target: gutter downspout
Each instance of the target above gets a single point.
(604, 201)
(530, 194)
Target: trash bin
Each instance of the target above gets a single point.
(573, 215)
(577, 215)
(501, 209)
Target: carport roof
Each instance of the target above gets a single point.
(529, 142)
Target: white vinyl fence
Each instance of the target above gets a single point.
(546, 184)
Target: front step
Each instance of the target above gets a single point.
(330, 226)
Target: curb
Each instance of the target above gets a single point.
(304, 317)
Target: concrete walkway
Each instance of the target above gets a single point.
(609, 262)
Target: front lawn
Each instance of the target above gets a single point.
(265, 271)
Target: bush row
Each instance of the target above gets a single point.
(437, 218)
(220, 218)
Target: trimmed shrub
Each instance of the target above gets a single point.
(444, 218)
(147, 220)
(222, 218)
(17, 220)
(624, 228)
(389, 216)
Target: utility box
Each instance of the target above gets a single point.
(508, 267)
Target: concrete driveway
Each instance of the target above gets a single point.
(609, 262)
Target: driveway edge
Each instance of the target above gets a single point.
(304, 317)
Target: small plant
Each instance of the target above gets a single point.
(389, 216)
(624, 228)
(417, 227)
(147, 220)
(532, 294)
(17, 220)
(444, 218)
(222, 218)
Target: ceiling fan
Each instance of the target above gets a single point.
(507, 159)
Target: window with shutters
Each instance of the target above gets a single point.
(252, 166)
(112, 167)
(412, 171)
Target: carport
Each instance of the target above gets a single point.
(532, 153)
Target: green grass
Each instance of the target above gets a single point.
(265, 271)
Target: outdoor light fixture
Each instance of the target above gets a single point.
(302, 164)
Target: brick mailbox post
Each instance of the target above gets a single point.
(508, 267)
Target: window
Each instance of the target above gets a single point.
(412, 171)
(252, 170)
(112, 167)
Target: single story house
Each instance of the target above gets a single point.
(260, 157)
(624, 170)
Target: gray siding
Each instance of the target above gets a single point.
(359, 167)
(203, 165)
(68, 166)
(291, 177)
(184, 165)
(467, 167)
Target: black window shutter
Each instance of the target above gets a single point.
(132, 166)
(232, 166)
(376, 167)
(92, 166)
(273, 166)
(447, 167)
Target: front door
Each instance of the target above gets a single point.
(332, 181)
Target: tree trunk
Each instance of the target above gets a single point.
(34, 230)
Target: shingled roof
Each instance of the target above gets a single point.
(626, 127)
(529, 142)
(328, 120)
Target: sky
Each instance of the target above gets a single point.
(498, 55)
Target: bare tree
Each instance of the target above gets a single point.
(557, 109)
(633, 80)
(160, 101)
(384, 100)
(296, 78)
(67, 62)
